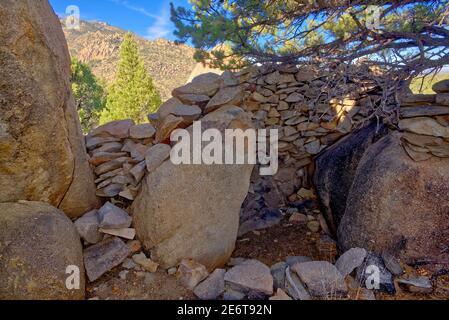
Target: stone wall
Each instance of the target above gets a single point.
(311, 108)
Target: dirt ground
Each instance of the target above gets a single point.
(269, 246)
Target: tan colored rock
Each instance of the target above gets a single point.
(425, 126)
(142, 131)
(118, 129)
(188, 113)
(166, 127)
(378, 219)
(102, 157)
(441, 86)
(417, 99)
(193, 210)
(42, 152)
(423, 111)
(200, 100)
(156, 155)
(205, 84)
(228, 95)
(442, 98)
(168, 106)
(37, 245)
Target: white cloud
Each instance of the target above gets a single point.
(161, 26)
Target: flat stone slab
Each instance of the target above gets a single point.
(102, 257)
(350, 260)
(212, 287)
(190, 273)
(87, 227)
(321, 278)
(250, 276)
(112, 217)
(156, 155)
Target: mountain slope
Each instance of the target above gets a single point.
(98, 45)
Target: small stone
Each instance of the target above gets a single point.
(108, 147)
(278, 273)
(306, 193)
(313, 226)
(298, 218)
(142, 260)
(172, 271)
(126, 233)
(94, 142)
(251, 277)
(190, 273)
(156, 155)
(205, 84)
(441, 86)
(103, 256)
(167, 126)
(110, 191)
(103, 157)
(187, 113)
(280, 295)
(313, 147)
(122, 274)
(112, 217)
(228, 95)
(321, 278)
(350, 260)
(142, 131)
(138, 171)
(294, 287)
(111, 165)
(194, 99)
(87, 227)
(118, 129)
(392, 264)
(258, 97)
(128, 264)
(426, 111)
(419, 284)
(424, 126)
(212, 287)
(294, 97)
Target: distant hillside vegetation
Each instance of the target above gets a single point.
(97, 44)
(428, 83)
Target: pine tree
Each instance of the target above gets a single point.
(89, 95)
(133, 94)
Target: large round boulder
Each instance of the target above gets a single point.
(42, 153)
(192, 211)
(40, 253)
(336, 167)
(398, 205)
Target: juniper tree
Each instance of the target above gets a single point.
(401, 36)
(89, 95)
(133, 94)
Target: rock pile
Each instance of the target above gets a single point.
(118, 152)
(300, 278)
(312, 110)
(425, 122)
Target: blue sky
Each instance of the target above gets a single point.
(147, 18)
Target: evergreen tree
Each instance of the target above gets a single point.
(398, 35)
(89, 95)
(133, 94)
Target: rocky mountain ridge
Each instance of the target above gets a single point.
(98, 45)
